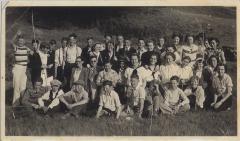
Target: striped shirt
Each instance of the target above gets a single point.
(21, 55)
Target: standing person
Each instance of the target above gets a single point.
(71, 52)
(86, 51)
(177, 38)
(59, 62)
(146, 56)
(49, 102)
(200, 43)
(75, 101)
(160, 45)
(190, 49)
(107, 38)
(21, 54)
(175, 99)
(96, 51)
(35, 62)
(109, 55)
(109, 103)
(120, 43)
(172, 49)
(218, 52)
(93, 71)
(43, 53)
(195, 93)
(222, 88)
(51, 58)
(141, 47)
(127, 50)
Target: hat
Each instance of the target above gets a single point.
(55, 82)
(79, 82)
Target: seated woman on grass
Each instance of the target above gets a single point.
(175, 99)
(49, 103)
(222, 88)
(109, 103)
(76, 100)
(195, 93)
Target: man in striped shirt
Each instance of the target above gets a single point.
(21, 53)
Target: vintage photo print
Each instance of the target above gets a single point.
(113, 68)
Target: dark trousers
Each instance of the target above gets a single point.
(35, 75)
(192, 99)
(60, 75)
(209, 97)
(120, 89)
(226, 104)
(67, 74)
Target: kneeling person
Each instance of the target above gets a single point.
(49, 102)
(75, 100)
(175, 100)
(109, 103)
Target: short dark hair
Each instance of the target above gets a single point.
(215, 39)
(170, 54)
(135, 75)
(187, 57)
(35, 41)
(107, 82)
(174, 78)
(189, 35)
(44, 45)
(64, 39)
(72, 35)
(221, 64)
(89, 38)
(52, 42)
(194, 78)
(210, 58)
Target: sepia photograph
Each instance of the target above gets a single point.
(120, 71)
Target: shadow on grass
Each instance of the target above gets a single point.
(8, 96)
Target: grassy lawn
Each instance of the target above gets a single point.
(203, 123)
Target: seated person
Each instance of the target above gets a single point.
(75, 100)
(153, 98)
(109, 103)
(195, 93)
(185, 72)
(222, 88)
(175, 99)
(135, 98)
(29, 97)
(49, 102)
(107, 74)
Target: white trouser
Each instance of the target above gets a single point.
(19, 81)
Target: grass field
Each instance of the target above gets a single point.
(203, 123)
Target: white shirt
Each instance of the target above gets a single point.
(76, 74)
(71, 53)
(167, 71)
(43, 57)
(190, 51)
(59, 57)
(185, 72)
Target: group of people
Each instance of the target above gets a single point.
(122, 79)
